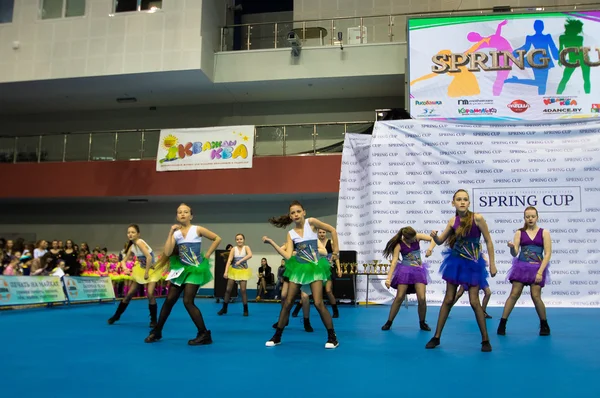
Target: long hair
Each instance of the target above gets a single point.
(466, 223)
(285, 220)
(525, 224)
(130, 243)
(406, 232)
(164, 259)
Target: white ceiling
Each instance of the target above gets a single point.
(179, 88)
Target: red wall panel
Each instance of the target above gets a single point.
(269, 175)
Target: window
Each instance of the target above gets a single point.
(137, 5)
(6, 10)
(52, 9)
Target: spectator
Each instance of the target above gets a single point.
(265, 277)
(12, 267)
(280, 281)
(41, 249)
(69, 255)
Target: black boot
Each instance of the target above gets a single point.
(332, 341)
(387, 325)
(153, 311)
(223, 310)
(424, 326)
(544, 328)
(202, 338)
(154, 336)
(276, 339)
(297, 309)
(434, 342)
(245, 309)
(120, 310)
(286, 323)
(307, 326)
(502, 327)
(336, 313)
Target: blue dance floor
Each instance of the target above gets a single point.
(72, 352)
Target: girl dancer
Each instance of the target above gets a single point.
(305, 268)
(336, 270)
(189, 270)
(236, 270)
(531, 249)
(409, 274)
(463, 263)
(143, 273)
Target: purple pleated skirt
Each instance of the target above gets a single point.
(524, 272)
(409, 275)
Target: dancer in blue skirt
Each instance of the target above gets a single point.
(464, 264)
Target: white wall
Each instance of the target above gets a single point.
(98, 44)
(213, 18)
(377, 28)
(257, 113)
(105, 224)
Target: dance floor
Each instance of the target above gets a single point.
(72, 352)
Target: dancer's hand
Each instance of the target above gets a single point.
(428, 253)
(538, 278)
(339, 273)
(433, 234)
(225, 275)
(175, 227)
(388, 283)
(266, 239)
(146, 276)
(510, 244)
(493, 270)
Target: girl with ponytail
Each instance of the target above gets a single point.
(304, 266)
(463, 264)
(410, 275)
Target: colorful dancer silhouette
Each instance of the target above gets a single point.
(463, 84)
(497, 42)
(539, 41)
(572, 38)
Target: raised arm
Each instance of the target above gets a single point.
(429, 239)
(515, 245)
(170, 243)
(286, 251)
(248, 255)
(440, 239)
(317, 224)
(201, 231)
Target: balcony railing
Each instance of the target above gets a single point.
(269, 140)
(355, 30)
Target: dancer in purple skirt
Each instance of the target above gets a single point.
(409, 275)
(531, 249)
(463, 263)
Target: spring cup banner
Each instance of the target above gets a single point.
(21, 290)
(229, 147)
(507, 67)
(80, 288)
(406, 173)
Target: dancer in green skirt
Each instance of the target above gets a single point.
(190, 269)
(304, 266)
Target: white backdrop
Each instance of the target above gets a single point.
(406, 173)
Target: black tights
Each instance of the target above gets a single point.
(189, 294)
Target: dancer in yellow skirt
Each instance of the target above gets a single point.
(236, 270)
(143, 273)
(190, 269)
